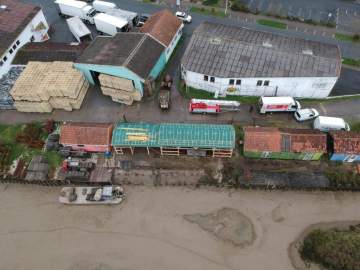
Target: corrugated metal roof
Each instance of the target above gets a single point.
(86, 133)
(346, 142)
(174, 135)
(235, 52)
(137, 51)
(261, 139)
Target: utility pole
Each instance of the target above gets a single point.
(226, 6)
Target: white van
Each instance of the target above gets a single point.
(324, 123)
(278, 104)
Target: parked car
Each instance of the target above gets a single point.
(306, 114)
(324, 123)
(142, 19)
(183, 16)
(278, 104)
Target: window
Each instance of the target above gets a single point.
(1, 63)
(11, 51)
(18, 42)
(14, 47)
(259, 83)
(266, 83)
(238, 82)
(5, 58)
(231, 81)
(212, 79)
(206, 77)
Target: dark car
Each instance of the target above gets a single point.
(142, 19)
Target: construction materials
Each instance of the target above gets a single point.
(6, 83)
(44, 86)
(119, 89)
(164, 93)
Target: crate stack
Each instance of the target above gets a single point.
(119, 89)
(44, 86)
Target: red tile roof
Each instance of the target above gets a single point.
(86, 133)
(162, 26)
(13, 20)
(346, 142)
(259, 139)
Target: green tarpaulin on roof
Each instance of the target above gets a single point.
(174, 135)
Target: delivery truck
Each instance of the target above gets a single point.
(73, 8)
(110, 25)
(103, 6)
(278, 104)
(132, 17)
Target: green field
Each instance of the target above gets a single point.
(209, 11)
(345, 37)
(351, 62)
(271, 23)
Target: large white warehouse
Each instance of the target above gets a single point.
(19, 24)
(228, 60)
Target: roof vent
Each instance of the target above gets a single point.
(308, 52)
(215, 41)
(267, 44)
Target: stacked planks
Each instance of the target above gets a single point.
(44, 86)
(119, 89)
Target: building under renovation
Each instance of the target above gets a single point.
(20, 23)
(174, 139)
(229, 60)
(282, 143)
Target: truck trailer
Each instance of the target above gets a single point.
(73, 8)
(79, 29)
(103, 6)
(131, 17)
(110, 25)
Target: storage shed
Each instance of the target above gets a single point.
(89, 137)
(345, 146)
(175, 139)
(136, 58)
(283, 143)
(230, 60)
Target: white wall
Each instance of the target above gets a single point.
(309, 87)
(169, 50)
(24, 38)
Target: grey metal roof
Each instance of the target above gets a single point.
(137, 51)
(234, 52)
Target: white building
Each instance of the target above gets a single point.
(165, 28)
(19, 24)
(229, 60)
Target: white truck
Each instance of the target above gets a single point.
(107, 24)
(79, 29)
(132, 17)
(103, 6)
(325, 123)
(73, 8)
(278, 104)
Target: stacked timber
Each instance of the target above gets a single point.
(44, 86)
(119, 89)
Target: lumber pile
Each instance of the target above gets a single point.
(119, 89)
(44, 86)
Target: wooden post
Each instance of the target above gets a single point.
(148, 151)
(132, 150)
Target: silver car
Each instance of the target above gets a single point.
(306, 114)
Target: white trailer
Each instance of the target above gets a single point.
(73, 8)
(78, 29)
(110, 25)
(102, 6)
(278, 104)
(131, 17)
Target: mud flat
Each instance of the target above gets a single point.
(227, 225)
(294, 254)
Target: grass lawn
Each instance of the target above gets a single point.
(271, 23)
(351, 62)
(209, 11)
(196, 93)
(355, 127)
(213, 3)
(345, 37)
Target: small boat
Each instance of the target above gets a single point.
(92, 195)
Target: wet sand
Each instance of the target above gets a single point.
(149, 232)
